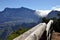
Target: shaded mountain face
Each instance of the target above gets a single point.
(53, 14)
(19, 14)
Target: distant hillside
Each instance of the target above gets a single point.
(53, 14)
(11, 19)
(23, 14)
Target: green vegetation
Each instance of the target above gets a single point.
(0, 38)
(17, 33)
(45, 20)
(56, 24)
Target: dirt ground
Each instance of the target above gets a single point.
(56, 36)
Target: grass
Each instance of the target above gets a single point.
(17, 33)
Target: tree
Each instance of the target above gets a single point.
(45, 20)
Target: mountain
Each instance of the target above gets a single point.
(53, 14)
(15, 16)
(12, 18)
(23, 14)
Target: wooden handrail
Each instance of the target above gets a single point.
(49, 29)
(33, 34)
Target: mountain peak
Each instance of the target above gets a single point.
(21, 8)
(25, 8)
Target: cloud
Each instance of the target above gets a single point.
(56, 8)
(43, 13)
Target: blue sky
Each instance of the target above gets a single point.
(32, 4)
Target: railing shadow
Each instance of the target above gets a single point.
(43, 37)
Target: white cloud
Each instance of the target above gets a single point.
(56, 8)
(43, 13)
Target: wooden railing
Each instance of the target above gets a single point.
(49, 30)
(36, 32)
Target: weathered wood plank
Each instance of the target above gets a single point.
(49, 29)
(34, 33)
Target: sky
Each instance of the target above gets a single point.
(32, 4)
